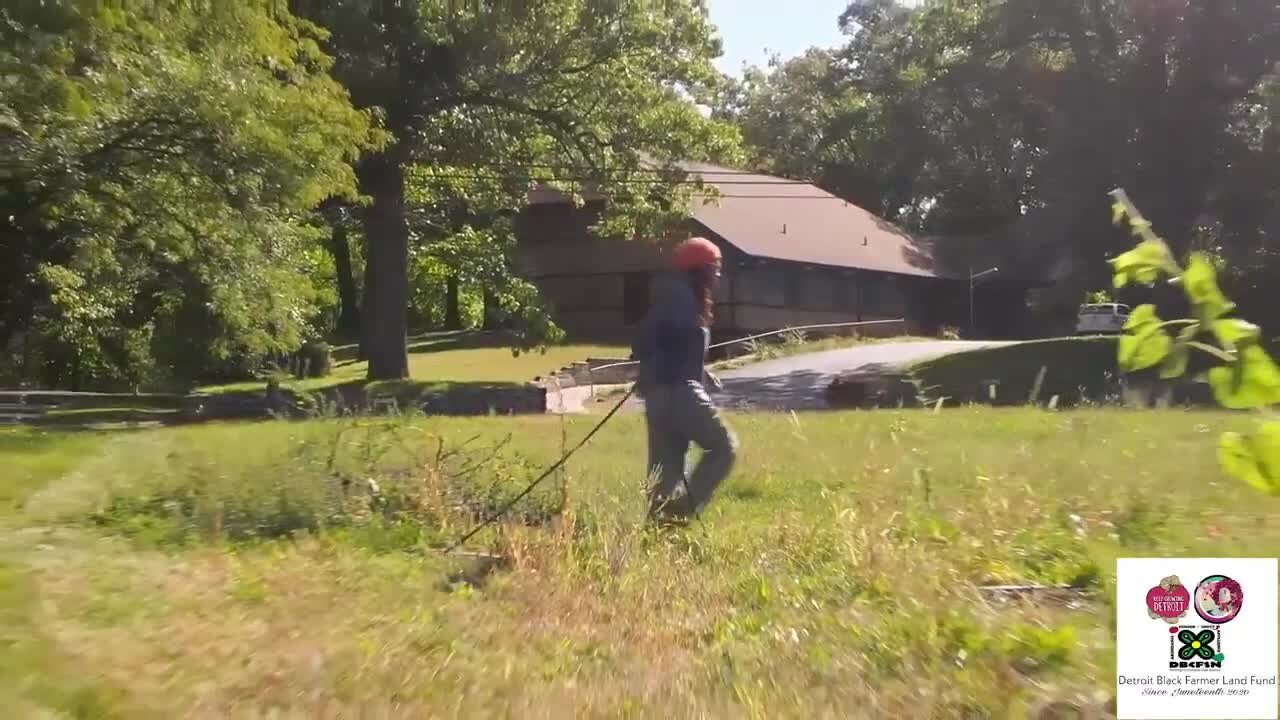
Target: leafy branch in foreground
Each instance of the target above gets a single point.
(1246, 379)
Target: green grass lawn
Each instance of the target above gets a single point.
(446, 358)
(232, 570)
(1075, 369)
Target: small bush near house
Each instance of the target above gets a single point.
(315, 360)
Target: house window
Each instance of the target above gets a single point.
(872, 293)
(844, 292)
(794, 294)
(817, 290)
(880, 294)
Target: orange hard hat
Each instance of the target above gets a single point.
(695, 253)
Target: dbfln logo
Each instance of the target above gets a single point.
(1195, 647)
(1169, 601)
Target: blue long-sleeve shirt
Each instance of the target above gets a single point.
(672, 343)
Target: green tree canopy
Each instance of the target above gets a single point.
(159, 164)
(1009, 121)
(577, 94)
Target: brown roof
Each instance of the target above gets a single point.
(771, 217)
(780, 219)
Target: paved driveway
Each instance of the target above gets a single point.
(798, 382)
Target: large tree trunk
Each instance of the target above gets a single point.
(452, 313)
(349, 313)
(492, 310)
(386, 302)
(75, 372)
(369, 283)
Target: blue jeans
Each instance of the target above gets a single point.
(678, 415)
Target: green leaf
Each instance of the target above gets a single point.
(1254, 458)
(1143, 317)
(1144, 350)
(1144, 343)
(1252, 381)
(1143, 264)
(1139, 227)
(1236, 459)
(1175, 365)
(1201, 284)
(1234, 333)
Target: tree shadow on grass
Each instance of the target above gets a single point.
(432, 342)
(802, 390)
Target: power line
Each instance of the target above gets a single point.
(651, 181)
(605, 193)
(595, 194)
(709, 196)
(779, 197)
(590, 168)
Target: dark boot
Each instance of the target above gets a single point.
(674, 511)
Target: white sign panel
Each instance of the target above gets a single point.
(1196, 638)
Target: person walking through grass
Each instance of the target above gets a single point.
(671, 348)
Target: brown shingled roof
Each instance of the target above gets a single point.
(771, 217)
(779, 219)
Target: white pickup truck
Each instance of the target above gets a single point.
(1101, 318)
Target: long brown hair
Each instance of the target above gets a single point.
(703, 289)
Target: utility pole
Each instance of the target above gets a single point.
(972, 278)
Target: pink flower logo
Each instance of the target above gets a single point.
(1218, 599)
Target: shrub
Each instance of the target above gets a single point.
(1245, 378)
(315, 360)
(324, 483)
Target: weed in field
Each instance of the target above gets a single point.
(378, 482)
(762, 349)
(1140, 526)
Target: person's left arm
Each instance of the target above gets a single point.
(709, 378)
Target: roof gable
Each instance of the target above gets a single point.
(771, 217)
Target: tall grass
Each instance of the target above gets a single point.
(839, 572)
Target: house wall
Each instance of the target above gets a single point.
(586, 280)
(766, 296)
(582, 277)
